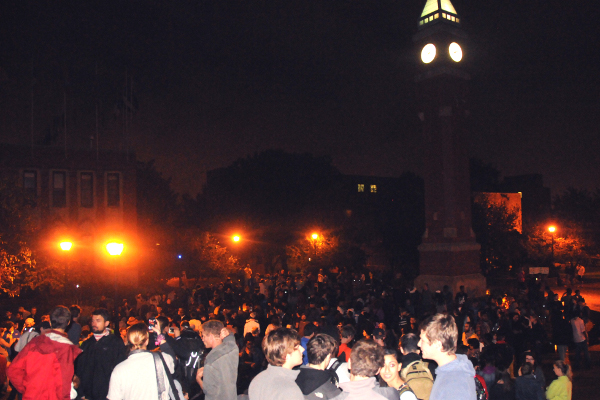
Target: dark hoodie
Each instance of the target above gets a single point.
(316, 383)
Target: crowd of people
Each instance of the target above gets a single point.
(324, 335)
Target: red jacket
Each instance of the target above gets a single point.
(43, 370)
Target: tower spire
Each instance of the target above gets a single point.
(436, 10)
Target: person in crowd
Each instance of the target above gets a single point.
(390, 374)
(29, 333)
(74, 328)
(102, 352)
(219, 375)
(538, 372)
(45, 365)
(561, 388)
(348, 332)
(580, 338)
(455, 373)
(366, 361)
(278, 382)
(418, 374)
(137, 377)
(503, 388)
(526, 387)
(310, 330)
(314, 379)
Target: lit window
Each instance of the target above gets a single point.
(113, 190)
(87, 189)
(361, 187)
(373, 188)
(30, 182)
(436, 15)
(59, 189)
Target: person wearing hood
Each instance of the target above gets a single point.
(315, 381)
(45, 365)
(455, 375)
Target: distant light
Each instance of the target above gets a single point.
(158, 244)
(309, 259)
(66, 246)
(77, 286)
(236, 238)
(315, 236)
(551, 229)
(179, 256)
(114, 249)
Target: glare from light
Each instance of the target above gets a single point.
(65, 246)
(236, 238)
(114, 248)
(77, 286)
(315, 236)
(552, 229)
(179, 256)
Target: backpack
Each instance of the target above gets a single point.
(419, 378)
(480, 388)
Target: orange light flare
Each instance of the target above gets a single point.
(236, 238)
(114, 248)
(65, 246)
(315, 236)
(551, 229)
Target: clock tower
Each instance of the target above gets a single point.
(449, 254)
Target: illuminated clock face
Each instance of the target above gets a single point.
(428, 53)
(455, 51)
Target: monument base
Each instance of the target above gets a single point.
(475, 284)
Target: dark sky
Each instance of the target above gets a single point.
(218, 80)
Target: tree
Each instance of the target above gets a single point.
(494, 227)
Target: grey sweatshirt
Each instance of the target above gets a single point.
(455, 380)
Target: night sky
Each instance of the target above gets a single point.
(217, 80)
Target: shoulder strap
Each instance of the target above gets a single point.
(160, 379)
(169, 377)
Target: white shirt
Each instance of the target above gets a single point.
(135, 378)
(578, 329)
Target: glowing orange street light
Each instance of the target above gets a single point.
(65, 246)
(315, 236)
(114, 248)
(236, 238)
(551, 229)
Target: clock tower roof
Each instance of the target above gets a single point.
(438, 10)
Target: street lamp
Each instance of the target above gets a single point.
(114, 249)
(552, 229)
(236, 238)
(65, 246)
(315, 236)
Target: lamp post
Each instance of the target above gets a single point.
(114, 249)
(552, 229)
(66, 246)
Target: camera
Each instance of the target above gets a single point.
(151, 324)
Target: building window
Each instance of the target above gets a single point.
(59, 189)
(113, 190)
(361, 187)
(86, 184)
(373, 188)
(30, 182)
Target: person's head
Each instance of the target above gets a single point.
(439, 334)
(390, 372)
(29, 322)
(526, 369)
(379, 336)
(75, 312)
(100, 320)
(347, 333)
(282, 348)
(137, 336)
(467, 327)
(562, 369)
(310, 329)
(163, 323)
(366, 359)
(319, 349)
(409, 343)
(60, 316)
(33, 310)
(211, 333)
(529, 357)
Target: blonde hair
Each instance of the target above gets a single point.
(137, 336)
(565, 369)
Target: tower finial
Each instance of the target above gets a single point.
(436, 9)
